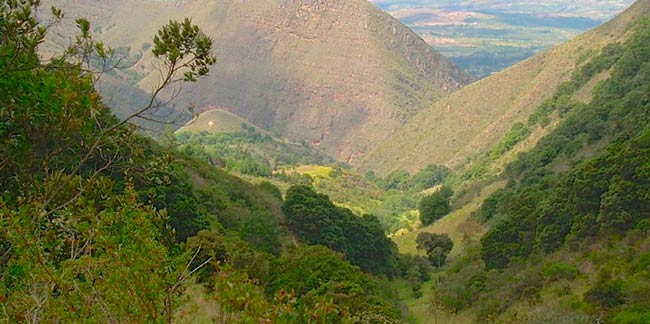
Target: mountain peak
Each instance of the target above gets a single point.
(341, 73)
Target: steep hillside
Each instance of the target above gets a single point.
(228, 141)
(473, 119)
(341, 75)
(100, 224)
(569, 232)
(485, 37)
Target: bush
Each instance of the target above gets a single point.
(560, 271)
(435, 206)
(606, 293)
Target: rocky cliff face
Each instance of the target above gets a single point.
(339, 74)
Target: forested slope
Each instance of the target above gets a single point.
(99, 223)
(569, 233)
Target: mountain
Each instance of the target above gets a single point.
(484, 37)
(571, 226)
(341, 74)
(99, 223)
(471, 120)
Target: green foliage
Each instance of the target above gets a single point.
(631, 317)
(248, 152)
(397, 179)
(315, 272)
(91, 214)
(490, 208)
(560, 271)
(428, 177)
(562, 103)
(394, 210)
(308, 268)
(21, 34)
(437, 247)
(316, 220)
(373, 318)
(603, 195)
(606, 293)
(272, 189)
(416, 270)
(261, 230)
(87, 258)
(183, 45)
(547, 314)
(242, 301)
(175, 195)
(517, 133)
(89, 209)
(226, 150)
(576, 201)
(435, 206)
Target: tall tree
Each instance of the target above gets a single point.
(435, 206)
(436, 246)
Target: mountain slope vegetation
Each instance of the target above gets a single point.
(468, 122)
(99, 223)
(549, 222)
(568, 237)
(226, 140)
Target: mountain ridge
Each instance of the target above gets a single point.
(482, 112)
(340, 75)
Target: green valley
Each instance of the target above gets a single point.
(336, 169)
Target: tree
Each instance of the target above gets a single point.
(428, 177)
(316, 220)
(77, 243)
(397, 179)
(436, 246)
(435, 206)
(316, 273)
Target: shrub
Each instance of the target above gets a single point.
(435, 206)
(560, 271)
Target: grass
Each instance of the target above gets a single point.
(344, 187)
(449, 225)
(584, 95)
(219, 121)
(422, 309)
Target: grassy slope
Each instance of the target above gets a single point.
(345, 188)
(472, 119)
(218, 121)
(553, 293)
(449, 224)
